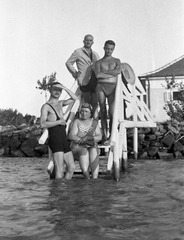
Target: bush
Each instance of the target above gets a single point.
(13, 117)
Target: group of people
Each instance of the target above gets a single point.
(97, 79)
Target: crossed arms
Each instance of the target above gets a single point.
(107, 73)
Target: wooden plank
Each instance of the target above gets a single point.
(102, 166)
(131, 124)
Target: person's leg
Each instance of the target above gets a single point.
(94, 162)
(86, 97)
(59, 164)
(94, 103)
(84, 162)
(70, 165)
(103, 113)
(81, 154)
(111, 99)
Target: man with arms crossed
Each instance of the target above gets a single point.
(107, 70)
(52, 118)
(84, 58)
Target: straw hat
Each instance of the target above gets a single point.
(128, 73)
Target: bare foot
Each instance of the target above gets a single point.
(106, 142)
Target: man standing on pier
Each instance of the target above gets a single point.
(107, 70)
(84, 58)
(53, 119)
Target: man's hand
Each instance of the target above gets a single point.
(75, 75)
(61, 122)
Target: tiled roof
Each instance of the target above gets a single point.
(174, 68)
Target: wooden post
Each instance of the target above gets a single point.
(116, 163)
(114, 131)
(149, 103)
(110, 160)
(135, 138)
(135, 143)
(124, 153)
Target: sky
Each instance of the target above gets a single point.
(38, 36)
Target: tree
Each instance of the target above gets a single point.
(175, 108)
(44, 85)
(10, 117)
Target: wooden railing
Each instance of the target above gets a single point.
(133, 94)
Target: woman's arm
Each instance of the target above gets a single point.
(74, 131)
(98, 134)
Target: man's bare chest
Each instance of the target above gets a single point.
(108, 65)
(55, 113)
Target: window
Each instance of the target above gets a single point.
(167, 96)
(174, 95)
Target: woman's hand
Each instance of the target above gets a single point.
(86, 140)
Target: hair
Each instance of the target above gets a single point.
(88, 106)
(52, 85)
(88, 35)
(110, 42)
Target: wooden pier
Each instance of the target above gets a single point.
(102, 168)
(129, 90)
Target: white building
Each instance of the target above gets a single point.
(154, 84)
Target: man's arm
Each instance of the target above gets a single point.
(71, 94)
(47, 124)
(115, 71)
(98, 71)
(70, 62)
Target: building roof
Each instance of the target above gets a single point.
(174, 68)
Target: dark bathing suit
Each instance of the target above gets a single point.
(90, 87)
(57, 137)
(106, 88)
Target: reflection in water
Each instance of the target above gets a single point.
(148, 203)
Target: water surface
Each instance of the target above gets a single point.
(148, 203)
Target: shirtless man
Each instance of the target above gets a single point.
(52, 118)
(106, 70)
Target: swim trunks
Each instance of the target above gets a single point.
(57, 137)
(106, 88)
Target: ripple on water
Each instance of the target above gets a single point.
(146, 204)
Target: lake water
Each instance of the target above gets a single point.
(148, 203)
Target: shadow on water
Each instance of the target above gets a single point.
(148, 203)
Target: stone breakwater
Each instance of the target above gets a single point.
(166, 137)
(22, 141)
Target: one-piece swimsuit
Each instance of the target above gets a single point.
(57, 137)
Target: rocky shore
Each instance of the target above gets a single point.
(22, 141)
(167, 137)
